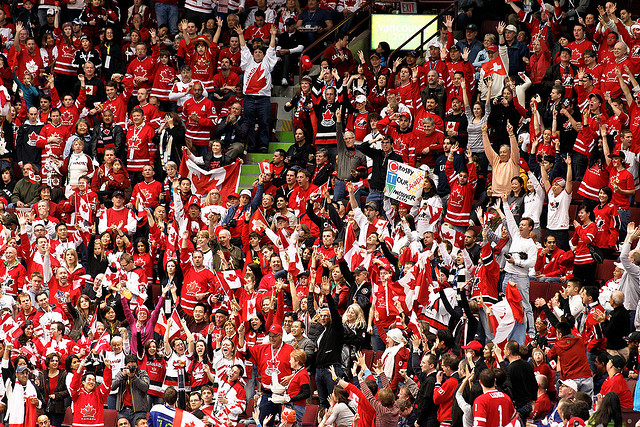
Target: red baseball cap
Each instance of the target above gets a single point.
(275, 329)
(473, 345)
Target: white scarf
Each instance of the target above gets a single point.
(388, 358)
(17, 396)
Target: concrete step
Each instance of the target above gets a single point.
(250, 169)
(259, 157)
(248, 178)
(282, 145)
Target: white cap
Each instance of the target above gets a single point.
(434, 43)
(361, 98)
(396, 335)
(245, 193)
(571, 384)
(511, 27)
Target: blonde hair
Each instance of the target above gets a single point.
(75, 254)
(360, 322)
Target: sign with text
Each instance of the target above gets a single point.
(409, 7)
(404, 183)
(396, 29)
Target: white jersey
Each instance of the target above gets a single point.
(558, 213)
(257, 76)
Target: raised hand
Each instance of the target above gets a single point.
(500, 27)
(448, 22)
(465, 54)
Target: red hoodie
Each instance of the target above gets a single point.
(574, 362)
(365, 410)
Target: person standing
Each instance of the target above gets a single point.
(257, 68)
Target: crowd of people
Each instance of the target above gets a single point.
(136, 279)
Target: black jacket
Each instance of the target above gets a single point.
(380, 162)
(361, 295)
(522, 381)
(298, 155)
(103, 137)
(61, 392)
(424, 400)
(230, 133)
(616, 328)
(26, 143)
(330, 342)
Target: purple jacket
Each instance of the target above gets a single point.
(147, 331)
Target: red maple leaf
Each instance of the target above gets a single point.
(327, 115)
(191, 424)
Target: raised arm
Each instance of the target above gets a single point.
(515, 150)
(569, 186)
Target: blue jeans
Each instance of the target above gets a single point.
(376, 342)
(523, 286)
(300, 410)
(585, 385)
(378, 197)
(111, 401)
(167, 14)
(258, 109)
(268, 407)
(625, 217)
(488, 335)
(325, 384)
(340, 191)
(548, 279)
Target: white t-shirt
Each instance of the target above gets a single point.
(558, 211)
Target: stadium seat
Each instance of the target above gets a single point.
(575, 197)
(538, 290)
(368, 357)
(310, 417)
(378, 355)
(573, 210)
(604, 271)
(631, 384)
(68, 418)
(110, 417)
(630, 417)
(635, 214)
(553, 288)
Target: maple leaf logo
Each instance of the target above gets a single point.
(272, 366)
(140, 70)
(191, 424)
(67, 118)
(31, 66)
(192, 287)
(166, 76)
(33, 137)
(88, 412)
(327, 115)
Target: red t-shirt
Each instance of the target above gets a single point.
(300, 378)
(624, 180)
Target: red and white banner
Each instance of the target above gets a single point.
(176, 325)
(103, 343)
(186, 419)
(230, 279)
(265, 166)
(495, 66)
(225, 178)
(10, 329)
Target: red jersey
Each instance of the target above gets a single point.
(624, 180)
(443, 396)
(64, 55)
(494, 409)
(221, 81)
(460, 196)
(27, 63)
(69, 115)
(199, 130)
(271, 361)
(594, 179)
(204, 66)
(577, 51)
(404, 141)
(143, 68)
(357, 123)
(89, 406)
(195, 282)
(149, 193)
(119, 104)
(608, 225)
(610, 83)
(156, 370)
(618, 385)
(234, 57)
(140, 147)
(162, 81)
(582, 238)
(254, 31)
(594, 339)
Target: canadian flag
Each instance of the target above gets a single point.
(505, 314)
(256, 219)
(81, 281)
(9, 329)
(176, 325)
(186, 419)
(352, 254)
(495, 66)
(265, 166)
(455, 237)
(324, 187)
(33, 178)
(357, 185)
(225, 178)
(103, 343)
(230, 279)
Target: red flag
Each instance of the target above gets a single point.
(352, 248)
(30, 416)
(225, 178)
(256, 219)
(495, 66)
(33, 178)
(103, 343)
(230, 279)
(186, 419)
(265, 166)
